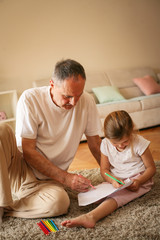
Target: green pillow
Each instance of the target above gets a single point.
(107, 94)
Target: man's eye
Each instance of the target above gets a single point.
(67, 97)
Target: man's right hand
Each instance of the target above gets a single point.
(77, 182)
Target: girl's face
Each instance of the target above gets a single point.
(121, 144)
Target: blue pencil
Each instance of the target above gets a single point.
(54, 225)
(45, 226)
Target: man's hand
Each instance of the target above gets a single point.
(47, 168)
(77, 182)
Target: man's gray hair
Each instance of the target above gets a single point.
(67, 68)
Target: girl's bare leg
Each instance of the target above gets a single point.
(89, 220)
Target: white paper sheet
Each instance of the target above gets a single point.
(102, 190)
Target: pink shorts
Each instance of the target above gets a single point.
(125, 196)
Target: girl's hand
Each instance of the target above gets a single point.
(117, 184)
(134, 186)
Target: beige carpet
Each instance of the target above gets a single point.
(138, 220)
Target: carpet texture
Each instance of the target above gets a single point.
(138, 220)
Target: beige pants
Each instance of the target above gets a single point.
(21, 193)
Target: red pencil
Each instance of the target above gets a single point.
(43, 228)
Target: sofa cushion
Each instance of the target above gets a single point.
(150, 102)
(131, 92)
(122, 78)
(107, 94)
(127, 105)
(95, 79)
(147, 85)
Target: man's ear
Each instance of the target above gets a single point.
(51, 83)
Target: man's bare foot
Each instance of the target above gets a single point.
(85, 220)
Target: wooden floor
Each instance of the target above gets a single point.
(85, 160)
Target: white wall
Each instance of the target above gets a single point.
(100, 34)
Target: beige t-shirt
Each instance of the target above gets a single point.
(57, 131)
(127, 163)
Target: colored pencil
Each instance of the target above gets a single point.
(45, 225)
(92, 186)
(43, 228)
(114, 178)
(54, 225)
(49, 226)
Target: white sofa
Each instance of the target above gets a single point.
(144, 110)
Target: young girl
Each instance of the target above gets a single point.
(124, 154)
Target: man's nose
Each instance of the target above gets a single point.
(120, 145)
(73, 101)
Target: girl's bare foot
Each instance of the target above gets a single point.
(89, 220)
(85, 220)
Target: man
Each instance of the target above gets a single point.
(50, 122)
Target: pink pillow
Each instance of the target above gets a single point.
(147, 85)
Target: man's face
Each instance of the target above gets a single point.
(66, 94)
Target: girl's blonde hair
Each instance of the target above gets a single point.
(118, 124)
